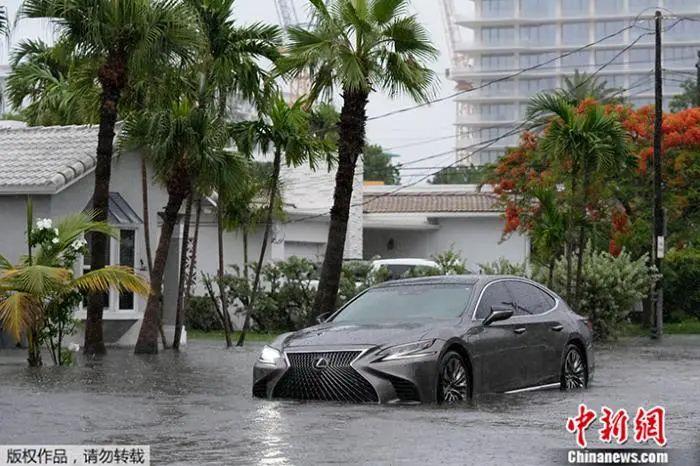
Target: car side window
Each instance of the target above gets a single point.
(495, 294)
(529, 299)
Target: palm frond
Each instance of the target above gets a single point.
(113, 276)
(5, 264)
(18, 311)
(38, 280)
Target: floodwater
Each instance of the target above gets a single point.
(195, 408)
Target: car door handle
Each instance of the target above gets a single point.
(519, 330)
(557, 328)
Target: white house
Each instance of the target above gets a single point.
(422, 221)
(54, 166)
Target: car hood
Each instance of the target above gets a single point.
(375, 334)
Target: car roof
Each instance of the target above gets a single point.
(448, 279)
(436, 280)
(404, 261)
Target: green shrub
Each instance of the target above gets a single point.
(421, 271)
(503, 267)
(200, 315)
(354, 278)
(450, 263)
(681, 282)
(610, 288)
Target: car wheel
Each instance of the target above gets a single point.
(574, 372)
(453, 379)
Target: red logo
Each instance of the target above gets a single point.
(614, 425)
(580, 424)
(648, 425)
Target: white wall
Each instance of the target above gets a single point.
(477, 239)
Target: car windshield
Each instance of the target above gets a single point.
(407, 302)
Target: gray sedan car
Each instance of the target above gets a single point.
(435, 339)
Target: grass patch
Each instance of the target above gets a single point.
(688, 326)
(219, 335)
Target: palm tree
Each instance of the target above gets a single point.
(549, 230)
(358, 46)
(231, 65)
(49, 85)
(581, 86)
(286, 129)
(123, 38)
(591, 141)
(4, 22)
(44, 279)
(4, 30)
(185, 144)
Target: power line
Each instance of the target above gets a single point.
(504, 78)
(530, 68)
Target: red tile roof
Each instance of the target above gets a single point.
(418, 202)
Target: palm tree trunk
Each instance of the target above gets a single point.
(582, 232)
(193, 256)
(34, 350)
(112, 79)
(244, 232)
(183, 275)
(147, 237)
(146, 215)
(353, 118)
(268, 226)
(217, 308)
(569, 230)
(220, 272)
(178, 190)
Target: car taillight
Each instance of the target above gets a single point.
(589, 324)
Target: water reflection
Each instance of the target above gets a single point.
(269, 418)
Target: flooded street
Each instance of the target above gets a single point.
(196, 408)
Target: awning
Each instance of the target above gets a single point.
(119, 211)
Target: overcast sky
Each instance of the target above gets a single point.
(392, 132)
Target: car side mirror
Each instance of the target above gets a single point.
(321, 318)
(498, 313)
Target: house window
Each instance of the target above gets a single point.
(127, 254)
(121, 251)
(87, 261)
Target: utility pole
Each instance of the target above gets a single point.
(658, 244)
(697, 82)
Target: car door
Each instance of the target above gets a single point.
(498, 345)
(544, 331)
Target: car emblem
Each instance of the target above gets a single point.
(320, 363)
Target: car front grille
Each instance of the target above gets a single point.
(405, 390)
(337, 381)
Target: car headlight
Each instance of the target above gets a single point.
(409, 350)
(269, 356)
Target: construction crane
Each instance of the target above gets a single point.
(287, 14)
(454, 39)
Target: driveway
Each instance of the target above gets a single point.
(195, 408)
